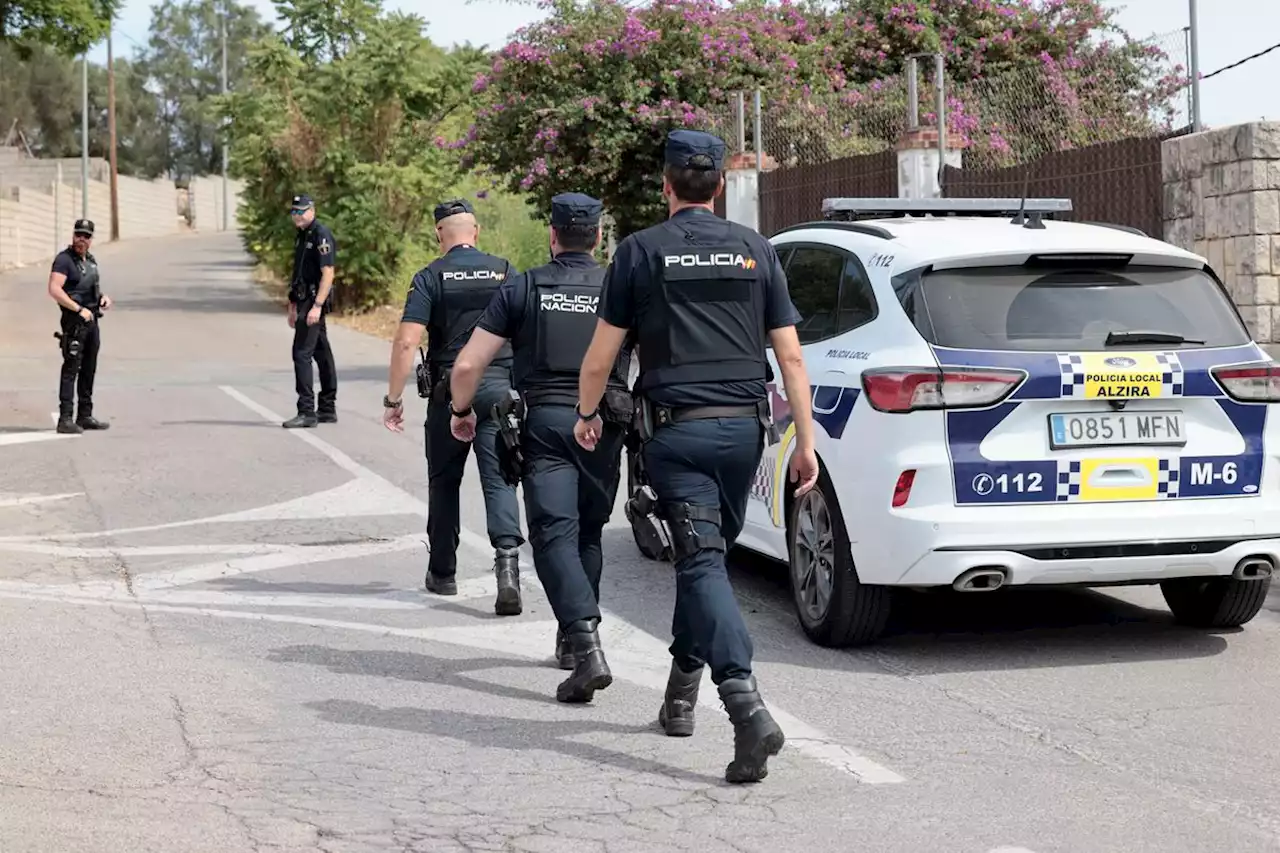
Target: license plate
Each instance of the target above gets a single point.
(1109, 429)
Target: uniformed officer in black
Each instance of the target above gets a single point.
(446, 299)
(314, 253)
(74, 285)
(706, 296)
(548, 315)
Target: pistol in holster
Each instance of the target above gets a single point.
(641, 509)
(72, 345)
(509, 414)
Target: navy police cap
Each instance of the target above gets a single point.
(453, 208)
(575, 209)
(693, 149)
(302, 202)
(83, 226)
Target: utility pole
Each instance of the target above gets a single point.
(111, 136)
(84, 137)
(225, 194)
(1194, 61)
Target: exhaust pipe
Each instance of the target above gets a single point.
(1253, 568)
(981, 579)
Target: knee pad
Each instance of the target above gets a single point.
(685, 540)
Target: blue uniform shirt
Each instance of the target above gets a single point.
(631, 276)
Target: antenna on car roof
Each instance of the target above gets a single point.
(1020, 218)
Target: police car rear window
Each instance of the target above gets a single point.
(1039, 309)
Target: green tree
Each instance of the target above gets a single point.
(356, 127)
(41, 97)
(70, 27)
(583, 100)
(183, 65)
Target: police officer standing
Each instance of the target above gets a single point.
(548, 315)
(74, 285)
(706, 296)
(446, 299)
(314, 251)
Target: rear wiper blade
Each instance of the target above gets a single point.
(1140, 337)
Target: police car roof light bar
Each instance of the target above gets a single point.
(853, 209)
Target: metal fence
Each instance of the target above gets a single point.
(1087, 127)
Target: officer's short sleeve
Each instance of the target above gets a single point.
(617, 297)
(779, 310)
(63, 264)
(501, 316)
(417, 305)
(327, 247)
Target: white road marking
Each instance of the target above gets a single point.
(33, 436)
(1011, 850)
(26, 500)
(54, 550)
(643, 657)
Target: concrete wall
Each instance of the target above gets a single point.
(41, 199)
(1222, 201)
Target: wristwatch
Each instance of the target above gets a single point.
(464, 413)
(388, 403)
(578, 408)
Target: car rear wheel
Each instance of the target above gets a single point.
(834, 607)
(1214, 602)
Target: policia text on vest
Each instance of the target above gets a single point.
(445, 300)
(74, 285)
(315, 252)
(704, 296)
(547, 317)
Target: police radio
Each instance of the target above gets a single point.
(423, 376)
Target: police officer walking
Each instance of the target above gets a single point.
(446, 299)
(705, 296)
(74, 285)
(314, 251)
(548, 316)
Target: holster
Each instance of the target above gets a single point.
(509, 413)
(72, 345)
(617, 408)
(641, 509)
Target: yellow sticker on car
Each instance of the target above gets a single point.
(1120, 376)
(1119, 479)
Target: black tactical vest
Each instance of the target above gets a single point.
(560, 314)
(85, 290)
(467, 283)
(705, 319)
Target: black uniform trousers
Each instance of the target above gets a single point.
(78, 373)
(312, 343)
(707, 463)
(447, 462)
(569, 494)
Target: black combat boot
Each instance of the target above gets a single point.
(90, 422)
(441, 585)
(66, 426)
(590, 671)
(302, 420)
(755, 734)
(676, 714)
(506, 565)
(564, 653)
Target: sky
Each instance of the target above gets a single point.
(1229, 30)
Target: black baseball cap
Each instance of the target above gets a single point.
(453, 208)
(575, 209)
(83, 226)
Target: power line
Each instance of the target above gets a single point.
(1240, 62)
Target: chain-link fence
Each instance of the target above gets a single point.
(1098, 112)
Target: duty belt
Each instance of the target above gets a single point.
(550, 396)
(663, 415)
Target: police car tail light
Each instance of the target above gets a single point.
(902, 488)
(1250, 383)
(910, 389)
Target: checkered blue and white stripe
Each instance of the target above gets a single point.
(1167, 482)
(1069, 479)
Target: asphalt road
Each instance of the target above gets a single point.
(215, 639)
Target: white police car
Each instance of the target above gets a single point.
(1004, 399)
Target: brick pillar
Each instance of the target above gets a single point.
(918, 162)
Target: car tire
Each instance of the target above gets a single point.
(853, 613)
(1216, 602)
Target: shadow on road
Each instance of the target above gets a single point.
(936, 632)
(482, 730)
(206, 299)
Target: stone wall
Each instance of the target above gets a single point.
(1222, 201)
